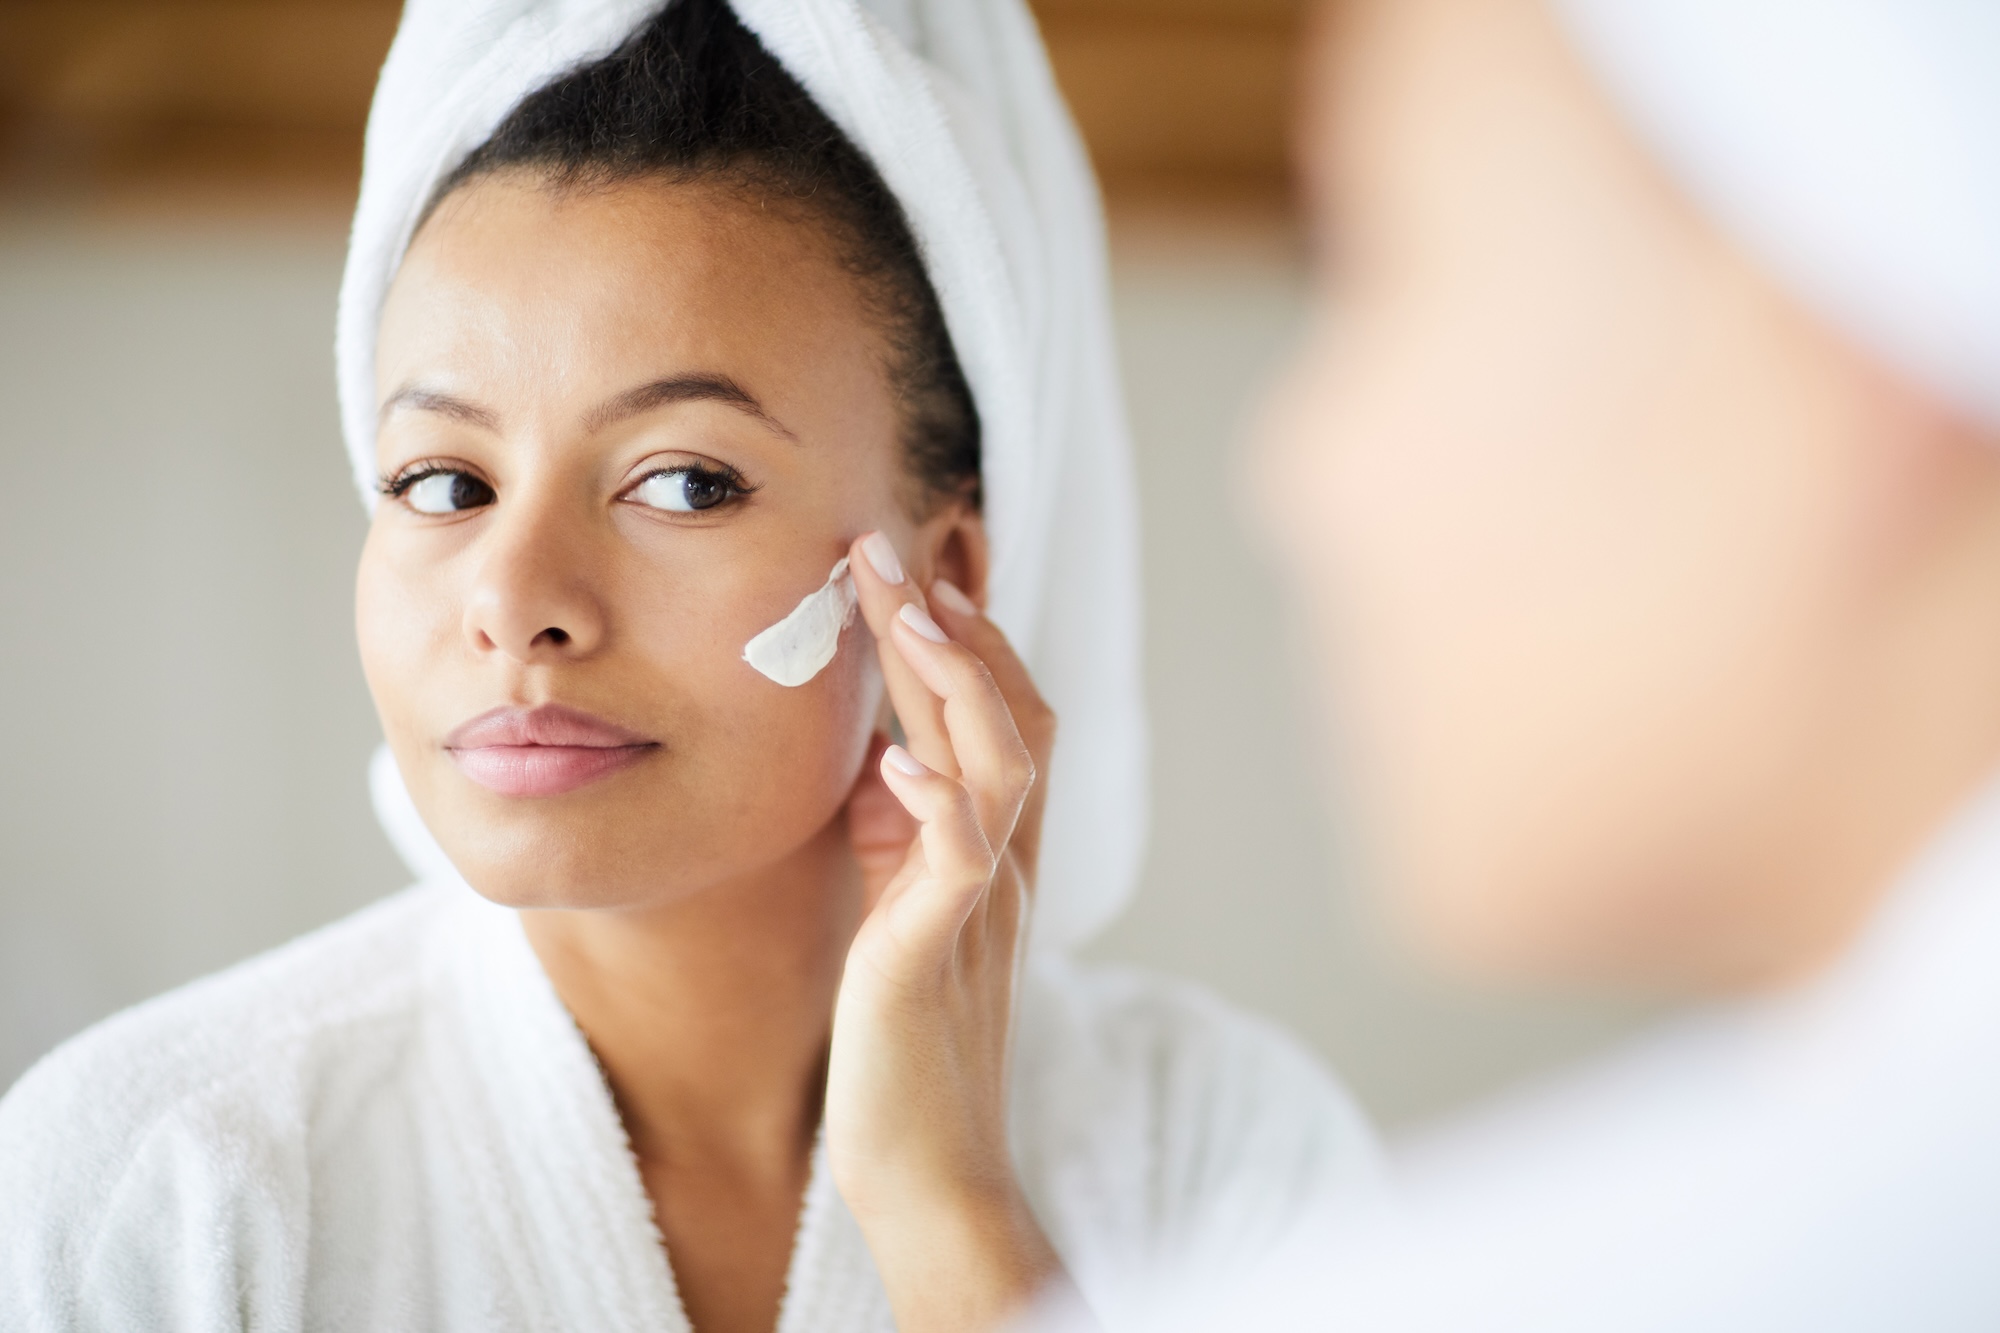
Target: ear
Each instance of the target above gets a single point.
(951, 544)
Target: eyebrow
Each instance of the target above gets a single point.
(698, 387)
(417, 398)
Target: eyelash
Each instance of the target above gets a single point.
(395, 485)
(733, 482)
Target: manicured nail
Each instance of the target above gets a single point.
(881, 553)
(903, 761)
(944, 590)
(920, 620)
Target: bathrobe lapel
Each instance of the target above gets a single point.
(553, 1182)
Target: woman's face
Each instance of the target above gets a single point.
(625, 429)
(1586, 512)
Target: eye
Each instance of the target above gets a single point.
(443, 492)
(684, 490)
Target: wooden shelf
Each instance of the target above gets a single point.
(103, 101)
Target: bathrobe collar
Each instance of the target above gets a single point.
(535, 1127)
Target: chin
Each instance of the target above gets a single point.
(621, 845)
(1472, 931)
(583, 850)
(566, 889)
(1488, 909)
(1575, 926)
(556, 869)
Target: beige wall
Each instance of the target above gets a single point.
(185, 729)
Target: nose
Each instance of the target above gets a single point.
(534, 597)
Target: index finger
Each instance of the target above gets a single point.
(882, 589)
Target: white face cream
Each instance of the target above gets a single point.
(798, 647)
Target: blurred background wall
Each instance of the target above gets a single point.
(183, 727)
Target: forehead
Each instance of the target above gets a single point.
(514, 279)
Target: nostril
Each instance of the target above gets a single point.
(554, 635)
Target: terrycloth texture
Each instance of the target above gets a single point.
(1852, 146)
(953, 102)
(394, 1124)
(1825, 1161)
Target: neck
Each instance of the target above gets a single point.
(711, 1014)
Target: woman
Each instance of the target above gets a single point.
(1643, 474)
(666, 339)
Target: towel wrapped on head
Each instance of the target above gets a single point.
(954, 104)
(1851, 146)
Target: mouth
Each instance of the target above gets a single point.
(543, 751)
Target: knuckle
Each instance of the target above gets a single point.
(968, 808)
(978, 674)
(1038, 725)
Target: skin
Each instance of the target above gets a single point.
(1657, 615)
(702, 911)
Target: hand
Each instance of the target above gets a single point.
(916, 1110)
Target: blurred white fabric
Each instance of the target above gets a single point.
(1827, 1161)
(954, 103)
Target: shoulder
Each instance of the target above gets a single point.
(260, 1018)
(1151, 1108)
(193, 1109)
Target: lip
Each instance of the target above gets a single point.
(543, 751)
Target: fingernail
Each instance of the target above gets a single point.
(920, 620)
(903, 761)
(944, 590)
(881, 553)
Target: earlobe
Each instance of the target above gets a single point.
(956, 542)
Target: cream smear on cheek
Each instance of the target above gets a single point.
(798, 647)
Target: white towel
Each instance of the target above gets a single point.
(1852, 146)
(954, 103)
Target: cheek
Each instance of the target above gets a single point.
(1389, 510)
(403, 625)
(774, 748)
(749, 770)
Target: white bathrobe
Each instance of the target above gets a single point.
(1823, 1161)
(394, 1124)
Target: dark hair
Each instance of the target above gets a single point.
(693, 95)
